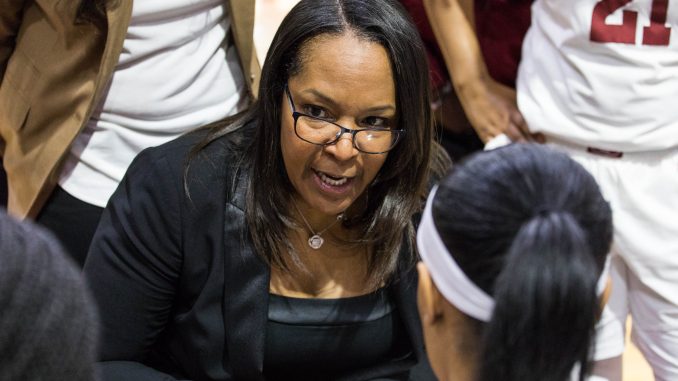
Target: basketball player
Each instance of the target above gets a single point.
(600, 80)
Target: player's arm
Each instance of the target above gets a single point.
(490, 107)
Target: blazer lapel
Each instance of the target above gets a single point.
(406, 299)
(246, 285)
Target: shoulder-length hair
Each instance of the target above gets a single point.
(396, 193)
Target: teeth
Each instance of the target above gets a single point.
(331, 181)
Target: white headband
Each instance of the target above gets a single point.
(455, 286)
(449, 278)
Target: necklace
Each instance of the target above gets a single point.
(316, 241)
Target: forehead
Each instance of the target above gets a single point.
(346, 63)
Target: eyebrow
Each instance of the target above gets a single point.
(330, 101)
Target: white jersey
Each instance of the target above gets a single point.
(602, 73)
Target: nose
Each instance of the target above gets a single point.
(343, 148)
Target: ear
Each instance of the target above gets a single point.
(428, 297)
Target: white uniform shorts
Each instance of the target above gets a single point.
(642, 188)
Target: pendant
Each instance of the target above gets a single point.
(315, 241)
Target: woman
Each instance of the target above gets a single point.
(279, 244)
(598, 79)
(514, 245)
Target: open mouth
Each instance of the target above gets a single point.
(332, 180)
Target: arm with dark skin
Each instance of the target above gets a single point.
(490, 106)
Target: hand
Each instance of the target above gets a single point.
(492, 110)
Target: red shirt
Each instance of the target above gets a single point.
(500, 27)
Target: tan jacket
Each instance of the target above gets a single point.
(52, 75)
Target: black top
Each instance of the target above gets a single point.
(332, 337)
(181, 292)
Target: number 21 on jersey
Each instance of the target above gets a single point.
(657, 33)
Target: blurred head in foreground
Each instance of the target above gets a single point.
(48, 324)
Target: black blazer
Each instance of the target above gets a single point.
(181, 292)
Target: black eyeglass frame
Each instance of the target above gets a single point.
(397, 134)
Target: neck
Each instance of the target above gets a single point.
(334, 270)
(457, 365)
(454, 348)
(312, 219)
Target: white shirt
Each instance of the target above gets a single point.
(620, 96)
(175, 73)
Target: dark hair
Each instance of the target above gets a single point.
(396, 193)
(530, 227)
(48, 322)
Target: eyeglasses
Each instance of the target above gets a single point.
(322, 132)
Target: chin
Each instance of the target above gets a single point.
(334, 209)
(326, 204)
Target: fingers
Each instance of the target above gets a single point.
(515, 133)
(518, 127)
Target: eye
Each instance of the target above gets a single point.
(376, 122)
(316, 112)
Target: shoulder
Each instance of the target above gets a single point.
(190, 154)
(176, 151)
(162, 201)
(188, 171)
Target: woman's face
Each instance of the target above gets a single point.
(347, 80)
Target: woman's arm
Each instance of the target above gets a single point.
(490, 106)
(134, 263)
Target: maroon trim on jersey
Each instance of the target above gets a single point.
(602, 152)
